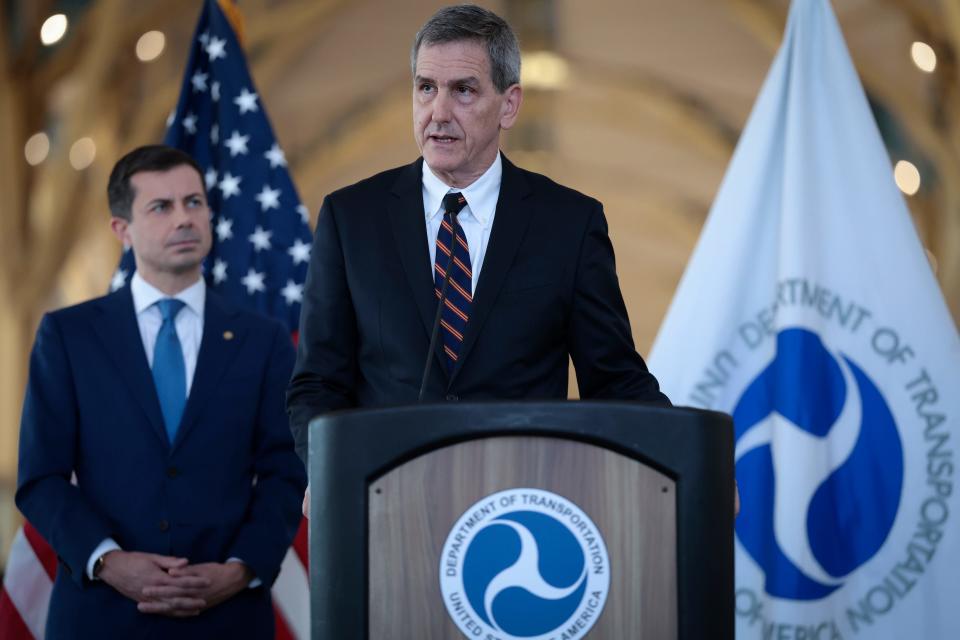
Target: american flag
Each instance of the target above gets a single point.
(259, 259)
(261, 238)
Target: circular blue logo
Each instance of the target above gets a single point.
(817, 453)
(524, 563)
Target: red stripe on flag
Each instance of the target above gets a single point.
(43, 550)
(281, 630)
(301, 545)
(12, 626)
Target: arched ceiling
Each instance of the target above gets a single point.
(656, 95)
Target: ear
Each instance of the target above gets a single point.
(512, 98)
(120, 228)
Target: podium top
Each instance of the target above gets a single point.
(349, 450)
(674, 440)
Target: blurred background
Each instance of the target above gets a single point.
(636, 102)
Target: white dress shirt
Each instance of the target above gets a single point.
(476, 219)
(189, 326)
(189, 322)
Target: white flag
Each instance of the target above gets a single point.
(810, 313)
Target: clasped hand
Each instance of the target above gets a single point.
(171, 586)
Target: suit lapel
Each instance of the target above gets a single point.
(405, 212)
(509, 227)
(117, 328)
(221, 342)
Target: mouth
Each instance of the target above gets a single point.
(442, 139)
(184, 244)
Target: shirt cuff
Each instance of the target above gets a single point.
(253, 584)
(109, 544)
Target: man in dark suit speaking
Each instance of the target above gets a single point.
(166, 404)
(532, 277)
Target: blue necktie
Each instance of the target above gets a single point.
(169, 372)
(459, 298)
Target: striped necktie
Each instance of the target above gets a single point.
(459, 293)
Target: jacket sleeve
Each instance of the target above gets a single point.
(48, 441)
(324, 376)
(599, 339)
(274, 513)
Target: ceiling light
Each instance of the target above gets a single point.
(923, 56)
(37, 148)
(544, 70)
(150, 46)
(82, 153)
(907, 177)
(53, 29)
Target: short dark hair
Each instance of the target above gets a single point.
(153, 157)
(470, 22)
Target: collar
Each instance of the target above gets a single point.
(481, 194)
(145, 294)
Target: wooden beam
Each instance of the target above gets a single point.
(687, 116)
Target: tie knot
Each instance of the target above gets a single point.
(453, 203)
(169, 308)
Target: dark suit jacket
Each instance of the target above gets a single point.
(91, 409)
(548, 289)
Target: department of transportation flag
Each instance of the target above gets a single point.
(809, 312)
(259, 259)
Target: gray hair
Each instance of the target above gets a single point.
(470, 22)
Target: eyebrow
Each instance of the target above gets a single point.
(189, 196)
(469, 80)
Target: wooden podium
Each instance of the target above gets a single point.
(388, 487)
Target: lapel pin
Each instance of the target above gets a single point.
(228, 335)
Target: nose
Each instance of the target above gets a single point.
(442, 107)
(182, 216)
